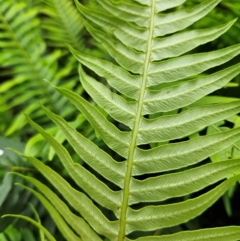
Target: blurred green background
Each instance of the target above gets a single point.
(33, 52)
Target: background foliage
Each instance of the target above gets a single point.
(33, 38)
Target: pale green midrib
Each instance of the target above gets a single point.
(27, 58)
(124, 206)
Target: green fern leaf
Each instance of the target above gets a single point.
(150, 50)
(63, 24)
(73, 220)
(25, 64)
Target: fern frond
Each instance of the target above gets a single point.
(25, 64)
(62, 23)
(67, 232)
(222, 234)
(150, 49)
(77, 223)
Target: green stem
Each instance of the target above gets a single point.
(21, 169)
(127, 181)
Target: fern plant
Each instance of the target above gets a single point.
(27, 57)
(25, 61)
(150, 89)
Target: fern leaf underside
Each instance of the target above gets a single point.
(151, 77)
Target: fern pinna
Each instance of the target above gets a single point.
(154, 83)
